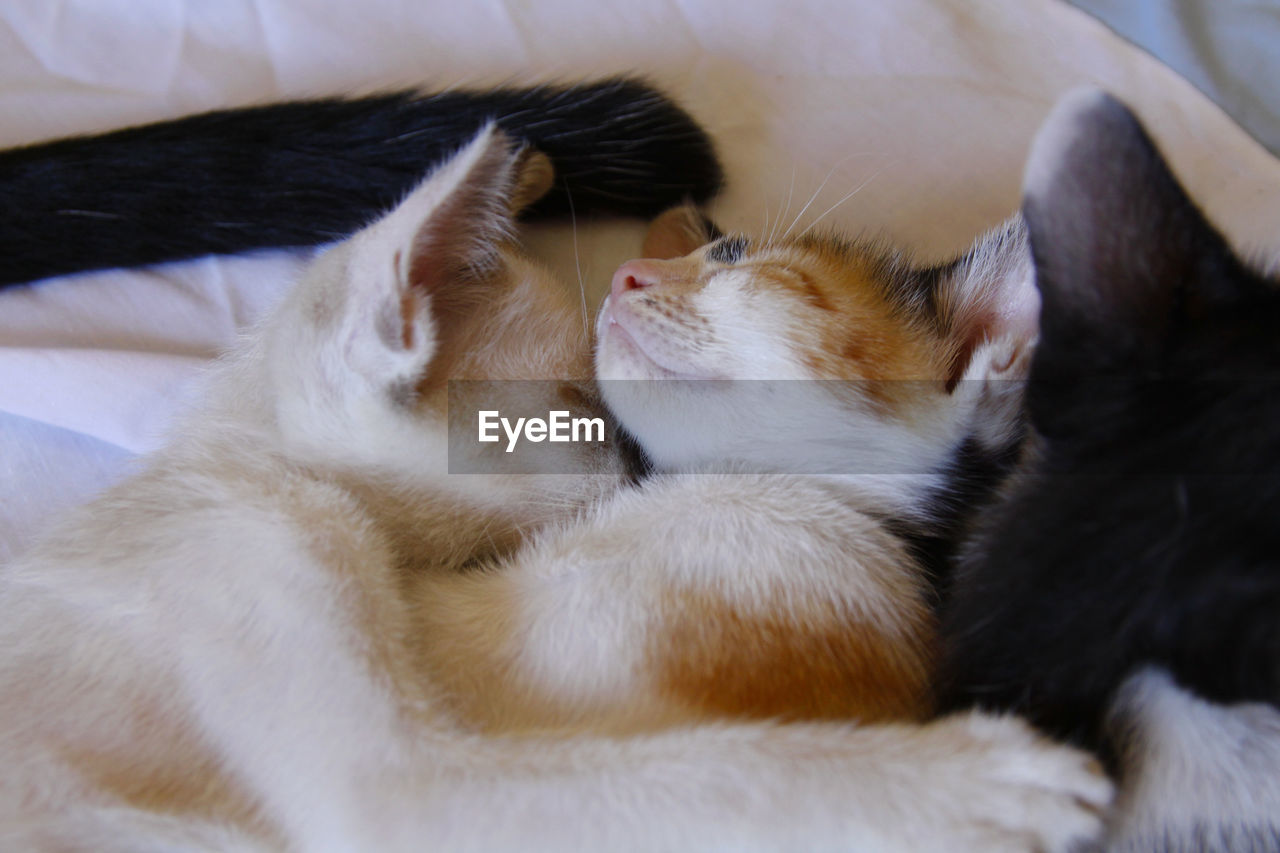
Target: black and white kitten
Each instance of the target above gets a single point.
(303, 173)
(1124, 592)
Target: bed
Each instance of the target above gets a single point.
(908, 119)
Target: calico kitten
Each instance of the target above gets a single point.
(1124, 591)
(913, 366)
(806, 404)
(223, 651)
(303, 173)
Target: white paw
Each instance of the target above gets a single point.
(1195, 774)
(999, 785)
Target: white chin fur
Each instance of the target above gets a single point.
(625, 351)
(618, 356)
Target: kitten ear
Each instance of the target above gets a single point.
(1114, 237)
(535, 176)
(988, 304)
(677, 232)
(423, 259)
(454, 221)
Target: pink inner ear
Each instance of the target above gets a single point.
(408, 317)
(1018, 312)
(1014, 312)
(437, 256)
(408, 301)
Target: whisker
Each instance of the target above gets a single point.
(818, 192)
(786, 210)
(765, 230)
(846, 197)
(577, 262)
(812, 199)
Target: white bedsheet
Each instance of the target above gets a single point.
(910, 118)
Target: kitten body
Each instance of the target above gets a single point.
(1123, 592)
(806, 403)
(226, 650)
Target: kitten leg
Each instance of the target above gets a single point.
(287, 675)
(1196, 776)
(338, 750)
(793, 605)
(972, 782)
(122, 829)
(967, 784)
(558, 638)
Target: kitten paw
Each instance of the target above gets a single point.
(1195, 775)
(1000, 785)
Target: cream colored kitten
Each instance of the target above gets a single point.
(224, 651)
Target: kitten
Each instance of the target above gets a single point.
(911, 364)
(1123, 593)
(303, 173)
(220, 652)
(783, 581)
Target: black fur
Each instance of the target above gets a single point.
(727, 250)
(1146, 527)
(972, 474)
(308, 172)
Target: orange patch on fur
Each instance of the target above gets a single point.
(813, 293)
(818, 663)
(852, 330)
(174, 772)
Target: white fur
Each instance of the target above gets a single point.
(741, 395)
(757, 543)
(723, 383)
(220, 652)
(1196, 775)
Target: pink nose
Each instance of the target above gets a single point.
(634, 275)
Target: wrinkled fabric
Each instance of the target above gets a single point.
(1229, 51)
(909, 120)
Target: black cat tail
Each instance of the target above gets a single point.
(303, 173)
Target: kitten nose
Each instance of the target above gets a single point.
(634, 275)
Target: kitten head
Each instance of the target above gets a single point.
(872, 365)
(360, 355)
(1152, 329)
(1140, 528)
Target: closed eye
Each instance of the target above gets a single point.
(727, 250)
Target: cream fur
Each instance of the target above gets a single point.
(227, 651)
